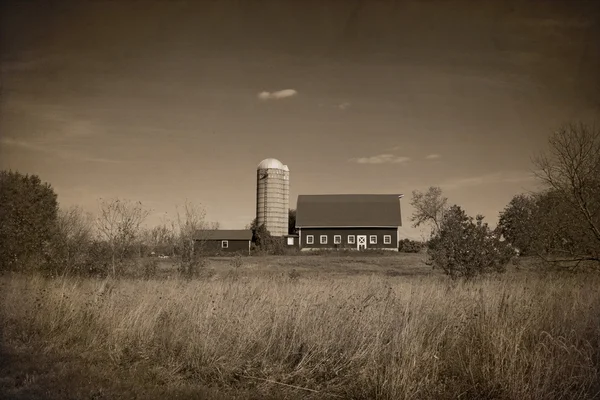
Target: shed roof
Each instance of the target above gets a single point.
(349, 210)
(241, 234)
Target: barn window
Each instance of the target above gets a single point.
(351, 239)
(290, 241)
(387, 239)
(337, 239)
(323, 239)
(310, 239)
(224, 244)
(373, 239)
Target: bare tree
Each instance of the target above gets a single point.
(190, 229)
(74, 231)
(119, 223)
(571, 167)
(429, 208)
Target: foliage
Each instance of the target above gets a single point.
(72, 241)
(264, 242)
(571, 169)
(28, 213)
(429, 208)
(409, 246)
(292, 222)
(119, 223)
(160, 239)
(464, 248)
(518, 223)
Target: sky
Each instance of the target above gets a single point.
(168, 101)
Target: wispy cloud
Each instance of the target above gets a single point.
(344, 106)
(281, 94)
(381, 159)
(64, 154)
(494, 178)
(432, 156)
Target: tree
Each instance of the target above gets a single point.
(28, 212)
(292, 222)
(119, 223)
(190, 232)
(429, 208)
(72, 239)
(464, 248)
(571, 169)
(517, 223)
(263, 240)
(160, 239)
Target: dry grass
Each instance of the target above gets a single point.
(521, 335)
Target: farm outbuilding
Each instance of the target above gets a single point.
(349, 221)
(224, 241)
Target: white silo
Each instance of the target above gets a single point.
(273, 196)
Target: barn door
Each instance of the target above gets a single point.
(362, 242)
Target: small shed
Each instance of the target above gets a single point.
(224, 241)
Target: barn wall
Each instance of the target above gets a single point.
(214, 246)
(344, 232)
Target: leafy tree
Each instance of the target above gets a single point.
(465, 248)
(263, 240)
(28, 212)
(517, 223)
(571, 169)
(292, 222)
(429, 208)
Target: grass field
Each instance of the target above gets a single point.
(338, 327)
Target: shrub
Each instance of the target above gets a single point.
(463, 248)
(193, 268)
(409, 246)
(237, 261)
(150, 268)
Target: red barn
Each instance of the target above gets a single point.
(352, 221)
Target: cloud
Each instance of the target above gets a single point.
(344, 106)
(381, 159)
(42, 148)
(432, 156)
(281, 94)
(494, 178)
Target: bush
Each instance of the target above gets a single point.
(193, 268)
(28, 213)
(463, 248)
(237, 261)
(150, 268)
(409, 246)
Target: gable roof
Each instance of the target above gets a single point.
(241, 234)
(349, 210)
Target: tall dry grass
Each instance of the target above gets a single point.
(513, 337)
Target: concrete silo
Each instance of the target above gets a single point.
(273, 196)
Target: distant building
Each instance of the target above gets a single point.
(351, 221)
(224, 241)
(273, 196)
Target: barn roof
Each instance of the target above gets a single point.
(241, 234)
(349, 210)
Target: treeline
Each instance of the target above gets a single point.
(560, 224)
(37, 234)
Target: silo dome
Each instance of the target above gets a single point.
(269, 163)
